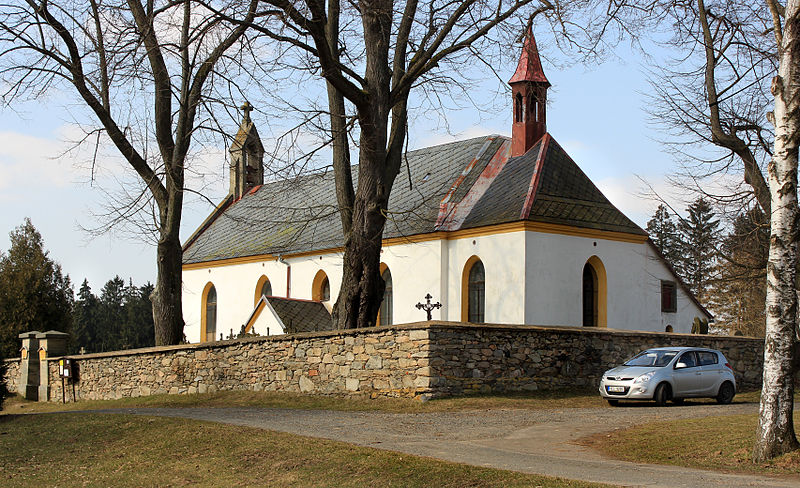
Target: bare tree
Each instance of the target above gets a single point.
(120, 56)
(738, 59)
(373, 54)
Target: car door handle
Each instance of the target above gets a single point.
(698, 373)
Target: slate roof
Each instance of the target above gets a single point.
(465, 184)
(301, 315)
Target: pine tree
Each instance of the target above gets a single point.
(740, 292)
(698, 235)
(34, 294)
(112, 315)
(84, 321)
(664, 234)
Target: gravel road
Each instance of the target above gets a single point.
(532, 441)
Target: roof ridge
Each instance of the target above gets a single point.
(544, 145)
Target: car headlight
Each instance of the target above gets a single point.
(645, 377)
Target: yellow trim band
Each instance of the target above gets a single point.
(518, 226)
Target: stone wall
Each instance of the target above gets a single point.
(380, 361)
(470, 359)
(12, 374)
(423, 359)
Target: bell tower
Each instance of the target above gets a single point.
(247, 155)
(529, 95)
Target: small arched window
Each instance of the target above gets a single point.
(589, 296)
(321, 287)
(209, 322)
(263, 288)
(518, 109)
(476, 297)
(326, 290)
(668, 329)
(386, 304)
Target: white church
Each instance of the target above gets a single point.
(497, 230)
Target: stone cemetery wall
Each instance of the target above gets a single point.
(380, 361)
(470, 359)
(428, 359)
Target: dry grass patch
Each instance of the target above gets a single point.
(719, 443)
(536, 400)
(131, 451)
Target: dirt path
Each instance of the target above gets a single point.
(532, 441)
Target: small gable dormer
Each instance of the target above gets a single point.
(247, 155)
(529, 94)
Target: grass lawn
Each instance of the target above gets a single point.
(534, 400)
(719, 443)
(123, 450)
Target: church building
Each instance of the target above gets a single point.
(498, 230)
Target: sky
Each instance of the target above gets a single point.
(597, 113)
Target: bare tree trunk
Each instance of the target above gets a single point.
(775, 434)
(362, 286)
(166, 297)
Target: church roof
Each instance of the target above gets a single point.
(460, 185)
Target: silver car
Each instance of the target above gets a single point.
(670, 373)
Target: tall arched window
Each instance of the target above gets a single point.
(208, 325)
(263, 288)
(385, 313)
(589, 296)
(321, 287)
(594, 293)
(473, 301)
(518, 110)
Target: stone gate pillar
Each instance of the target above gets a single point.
(51, 345)
(28, 381)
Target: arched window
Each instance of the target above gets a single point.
(473, 286)
(385, 314)
(594, 291)
(518, 110)
(326, 290)
(208, 325)
(533, 108)
(321, 287)
(589, 296)
(263, 288)
(669, 328)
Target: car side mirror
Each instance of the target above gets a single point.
(680, 365)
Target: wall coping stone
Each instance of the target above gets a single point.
(434, 324)
(12, 360)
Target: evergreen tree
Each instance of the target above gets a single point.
(740, 293)
(664, 234)
(34, 294)
(112, 315)
(698, 235)
(84, 321)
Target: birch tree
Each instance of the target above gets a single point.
(142, 69)
(748, 57)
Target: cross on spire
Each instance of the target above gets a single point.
(247, 108)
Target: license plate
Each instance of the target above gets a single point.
(616, 389)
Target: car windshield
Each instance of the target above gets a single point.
(658, 359)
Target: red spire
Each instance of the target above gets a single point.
(529, 67)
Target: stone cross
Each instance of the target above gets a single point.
(247, 108)
(428, 306)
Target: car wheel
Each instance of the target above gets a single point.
(677, 401)
(726, 393)
(662, 394)
(613, 403)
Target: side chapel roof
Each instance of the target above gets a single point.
(460, 185)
